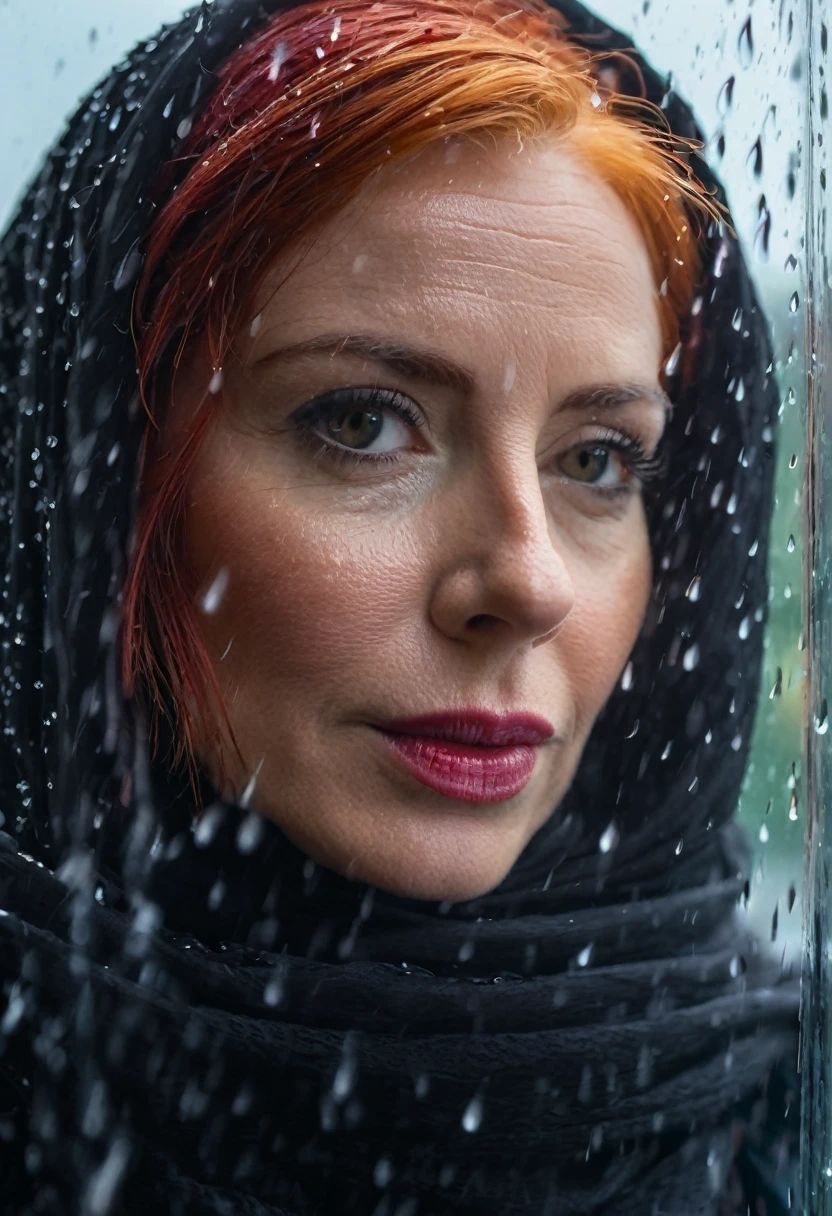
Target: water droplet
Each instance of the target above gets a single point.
(184, 128)
(216, 381)
(736, 320)
(584, 956)
(609, 838)
(792, 460)
(793, 808)
(752, 552)
(754, 160)
(627, 678)
(256, 325)
(679, 847)
(509, 376)
(278, 59)
(725, 98)
(691, 657)
(822, 719)
(693, 590)
(672, 363)
(472, 1116)
(248, 792)
(790, 264)
(345, 1076)
(667, 750)
(273, 992)
(794, 302)
(745, 628)
(249, 833)
(212, 598)
(764, 834)
(383, 1173)
(745, 44)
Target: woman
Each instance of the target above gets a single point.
(382, 619)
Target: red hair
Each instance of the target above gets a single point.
(302, 114)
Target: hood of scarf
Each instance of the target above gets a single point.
(199, 1017)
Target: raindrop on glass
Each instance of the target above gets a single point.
(745, 44)
(383, 1172)
(472, 1116)
(691, 657)
(212, 598)
(726, 96)
(609, 838)
(673, 362)
(584, 956)
(278, 59)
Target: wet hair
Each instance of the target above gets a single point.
(302, 115)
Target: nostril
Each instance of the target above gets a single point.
(481, 619)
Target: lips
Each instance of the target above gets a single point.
(470, 756)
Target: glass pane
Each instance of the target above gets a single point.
(349, 966)
(817, 1047)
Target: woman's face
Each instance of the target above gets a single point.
(471, 539)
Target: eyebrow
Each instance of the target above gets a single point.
(420, 363)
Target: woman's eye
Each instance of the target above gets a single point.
(596, 466)
(371, 430)
(367, 423)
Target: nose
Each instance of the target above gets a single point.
(503, 577)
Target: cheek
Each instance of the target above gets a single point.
(310, 596)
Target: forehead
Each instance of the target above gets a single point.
(522, 250)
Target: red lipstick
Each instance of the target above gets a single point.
(469, 755)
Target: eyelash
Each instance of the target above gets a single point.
(341, 400)
(644, 467)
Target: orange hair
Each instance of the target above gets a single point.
(302, 114)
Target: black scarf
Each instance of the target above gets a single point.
(204, 1021)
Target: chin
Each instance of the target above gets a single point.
(431, 877)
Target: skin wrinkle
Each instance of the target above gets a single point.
(351, 591)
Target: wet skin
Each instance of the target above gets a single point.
(496, 555)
